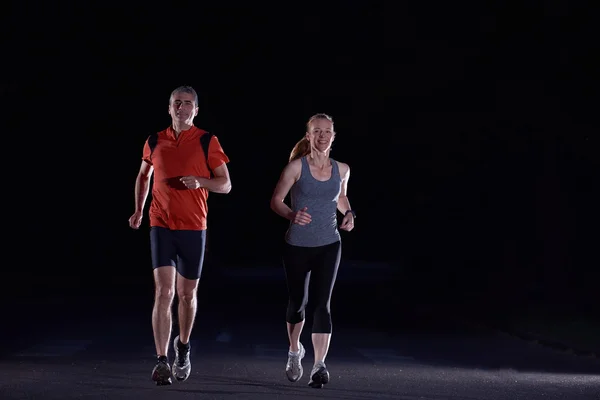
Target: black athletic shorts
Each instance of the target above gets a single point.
(183, 249)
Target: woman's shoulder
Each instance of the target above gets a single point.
(342, 166)
(295, 164)
(293, 167)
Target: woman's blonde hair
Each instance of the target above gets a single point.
(302, 148)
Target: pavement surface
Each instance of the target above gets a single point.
(100, 346)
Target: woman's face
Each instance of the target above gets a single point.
(320, 134)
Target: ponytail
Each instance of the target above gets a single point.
(301, 149)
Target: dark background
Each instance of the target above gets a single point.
(470, 130)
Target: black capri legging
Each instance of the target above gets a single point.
(317, 266)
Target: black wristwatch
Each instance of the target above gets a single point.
(350, 212)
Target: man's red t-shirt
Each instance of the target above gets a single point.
(173, 205)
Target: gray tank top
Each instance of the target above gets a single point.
(321, 198)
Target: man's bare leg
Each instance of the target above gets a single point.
(187, 294)
(187, 290)
(164, 282)
(164, 292)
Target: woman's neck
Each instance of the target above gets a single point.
(318, 159)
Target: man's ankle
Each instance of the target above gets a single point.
(163, 359)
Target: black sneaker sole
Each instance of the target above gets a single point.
(165, 382)
(162, 375)
(319, 378)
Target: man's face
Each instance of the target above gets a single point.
(183, 108)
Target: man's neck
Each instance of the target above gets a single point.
(179, 127)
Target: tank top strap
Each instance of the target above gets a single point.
(335, 170)
(305, 167)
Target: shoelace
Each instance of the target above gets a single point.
(183, 352)
(294, 361)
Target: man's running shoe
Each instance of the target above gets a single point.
(161, 374)
(182, 365)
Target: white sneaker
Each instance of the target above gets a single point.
(319, 375)
(182, 365)
(293, 369)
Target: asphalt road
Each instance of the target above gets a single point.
(101, 347)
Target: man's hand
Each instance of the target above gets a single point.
(135, 220)
(348, 222)
(301, 217)
(190, 182)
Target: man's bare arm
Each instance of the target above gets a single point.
(142, 185)
(220, 183)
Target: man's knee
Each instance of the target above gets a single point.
(187, 290)
(164, 294)
(164, 284)
(187, 297)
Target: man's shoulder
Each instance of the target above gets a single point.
(158, 134)
(199, 131)
(164, 131)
